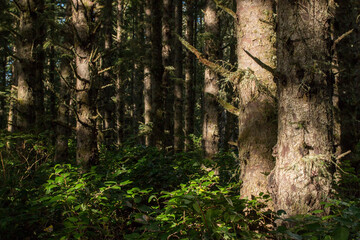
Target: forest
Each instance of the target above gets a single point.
(180, 119)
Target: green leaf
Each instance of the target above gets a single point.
(196, 207)
(341, 233)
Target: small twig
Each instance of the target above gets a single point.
(341, 38)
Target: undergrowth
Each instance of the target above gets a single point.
(143, 193)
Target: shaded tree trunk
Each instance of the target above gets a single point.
(189, 76)
(210, 129)
(3, 65)
(11, 118)
(84, 15)
(157, 70)
(301, 179)
(29, 51)
(257, 119)
(167, 63)
(178, 87)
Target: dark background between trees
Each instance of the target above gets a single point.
(209, 119)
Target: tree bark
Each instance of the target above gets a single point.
(84, 16)
(157, 70)
(29, 50)
(210, 127)
(178, 87)
(167, 57)
(301, 179)
(189, 76)
(257, 119)
(148, 108)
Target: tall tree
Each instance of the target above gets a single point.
(178, 87)
(167, 63)
(257, 118)
(301, 178)
(157, 70)
(148, 118)
(85, 17)
(210, 129)
(30, 55)
(189, 75)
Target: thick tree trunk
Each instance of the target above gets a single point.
(167, 63)
(178, 87)
(257, 119)
(210, 129)
(86, 81)
(29, 50)
(189, 76)
(157, 70)
(301, 179)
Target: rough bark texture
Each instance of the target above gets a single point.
(210, 129)
(167, 63)
(189, 76)
(84, 14)
(257, 119)
(301, 178)
(148, 118)
(178, 88)
(29, 51)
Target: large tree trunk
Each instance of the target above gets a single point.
(301, 179)
(189, 76)
(210, 129)
(257, 119)
(157, 70)
(84, 15)
(29, 51)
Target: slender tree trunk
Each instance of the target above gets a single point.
(301, 179)
(29, 49)
(108, 92)
(86, 81)
(11, 120)
(178, 87)
(257, 119)
(157, 70)
(211, 88)
(148, 118)
(66, 82)
(189, 76)
(167, 63)
(3, 65)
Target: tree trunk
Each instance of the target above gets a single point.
(3, 65)
(29, 50)
(257, 119)
(167, 63)
(189, 76)
(301, 179)
(84, 15)
(211, 88)
(148, 118)
(157, 70)
(178, 87)
(11, 120)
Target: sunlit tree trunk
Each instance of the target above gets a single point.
(84, 14)
(301, 179)
(189, 76)
(30, 53)
(148, 118)
(257, 119)
(210, 129)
